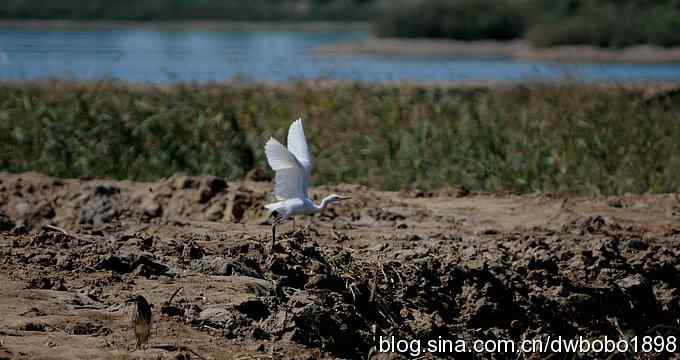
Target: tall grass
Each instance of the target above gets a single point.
(565, 138)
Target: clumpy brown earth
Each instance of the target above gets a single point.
(414, 265)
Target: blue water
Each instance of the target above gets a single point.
(162, 56)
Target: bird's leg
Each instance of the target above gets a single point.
(273, 218)
(276, 221)
(273, 237)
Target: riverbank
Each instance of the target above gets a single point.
(394, 47)
(516, 49)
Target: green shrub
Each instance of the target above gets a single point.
(610, 24)
(604, 23)
(454, 19)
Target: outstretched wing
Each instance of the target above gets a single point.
(297, 144)
(291, 176)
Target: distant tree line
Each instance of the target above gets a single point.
(605, 23)
(168, 10)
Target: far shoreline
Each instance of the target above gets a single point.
(648, 86)
(170, 25)
(514, 50)
(397, 47)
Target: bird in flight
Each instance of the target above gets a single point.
(292, 166)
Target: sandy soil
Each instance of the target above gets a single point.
(517, 49)
(416, 265)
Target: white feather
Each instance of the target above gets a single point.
(291, 177)
(297, 144)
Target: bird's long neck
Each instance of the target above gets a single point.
(324, 204)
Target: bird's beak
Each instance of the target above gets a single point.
(344, 197)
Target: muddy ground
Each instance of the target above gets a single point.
(416, 265)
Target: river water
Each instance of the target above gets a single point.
(166, 56)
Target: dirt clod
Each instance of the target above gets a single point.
(6, 224)
(415, 267)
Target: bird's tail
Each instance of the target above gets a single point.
(270, 207)
(273, 206)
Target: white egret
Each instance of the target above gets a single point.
(292, 166)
